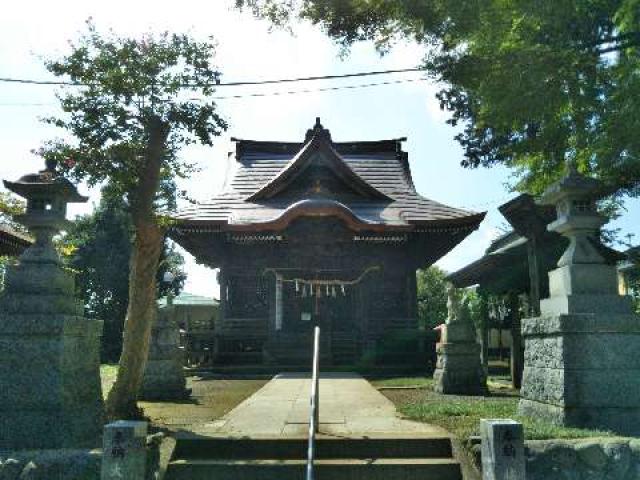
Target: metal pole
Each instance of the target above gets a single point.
(314, 417)
(316, 376)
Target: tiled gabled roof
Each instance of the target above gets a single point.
(382, 165)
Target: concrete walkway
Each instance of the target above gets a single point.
(349, 407)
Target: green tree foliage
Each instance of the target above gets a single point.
(9, 207)
(133, 112)
(98, 248)
(530, 83)
(432, 297)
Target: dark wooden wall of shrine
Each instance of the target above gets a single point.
(382, 304)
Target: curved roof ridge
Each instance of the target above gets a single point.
(317, 140)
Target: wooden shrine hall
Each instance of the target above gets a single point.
(319, 233)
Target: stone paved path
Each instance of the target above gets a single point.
(349, 407)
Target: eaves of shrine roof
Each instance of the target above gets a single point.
(377, 170)
(13, 242)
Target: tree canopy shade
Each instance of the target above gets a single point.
(128, 118)
(98, 248)
(531, 83)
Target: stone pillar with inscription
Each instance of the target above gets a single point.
(458, 367)
(502, 450)
(124, 451)
(582, 366)
(50, 392)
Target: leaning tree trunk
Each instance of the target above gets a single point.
(141, 312)
(122, 400)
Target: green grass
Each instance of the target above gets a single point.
(418, 382)
(460, 415)
(462, 418)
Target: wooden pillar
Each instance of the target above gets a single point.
(534, 276)
(222, 281)
(484, 331)
(223, 311)
(412, 296)
(278, 303)
(517, 350)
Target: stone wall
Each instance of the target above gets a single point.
(50, 465)
(68, 464)
(589, 459)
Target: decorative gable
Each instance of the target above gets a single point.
(318, 171)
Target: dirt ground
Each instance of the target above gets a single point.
(211, 398)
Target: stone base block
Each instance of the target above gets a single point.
(458, 332)
(53, 464)
(50, 391)
(624, 421)
(22, 428)
(164, 380)
(580, 279)
(583, 370)
(586, 304)
(459, 370)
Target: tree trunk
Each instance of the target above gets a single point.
(122, 400)
(141, 312)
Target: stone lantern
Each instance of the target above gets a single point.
(577, 216)
(47, 195)
(581, 363)
(50, 393)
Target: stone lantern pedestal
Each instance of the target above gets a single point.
(582, 354)
(50, 392)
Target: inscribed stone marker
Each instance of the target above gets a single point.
(502, 450)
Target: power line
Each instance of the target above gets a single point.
(229, 84)
(265, 94)
(324, 89)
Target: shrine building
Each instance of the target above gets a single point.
(319, 233)
(12, 242)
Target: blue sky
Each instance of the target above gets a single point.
(247, 50)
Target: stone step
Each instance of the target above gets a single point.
(336, 469)
(326, 448)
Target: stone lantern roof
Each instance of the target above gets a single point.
(572, 184)
(46, 181)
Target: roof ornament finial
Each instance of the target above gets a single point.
(318, 131)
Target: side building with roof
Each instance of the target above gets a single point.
(12, 242)
(320, 233)
(512, 275)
